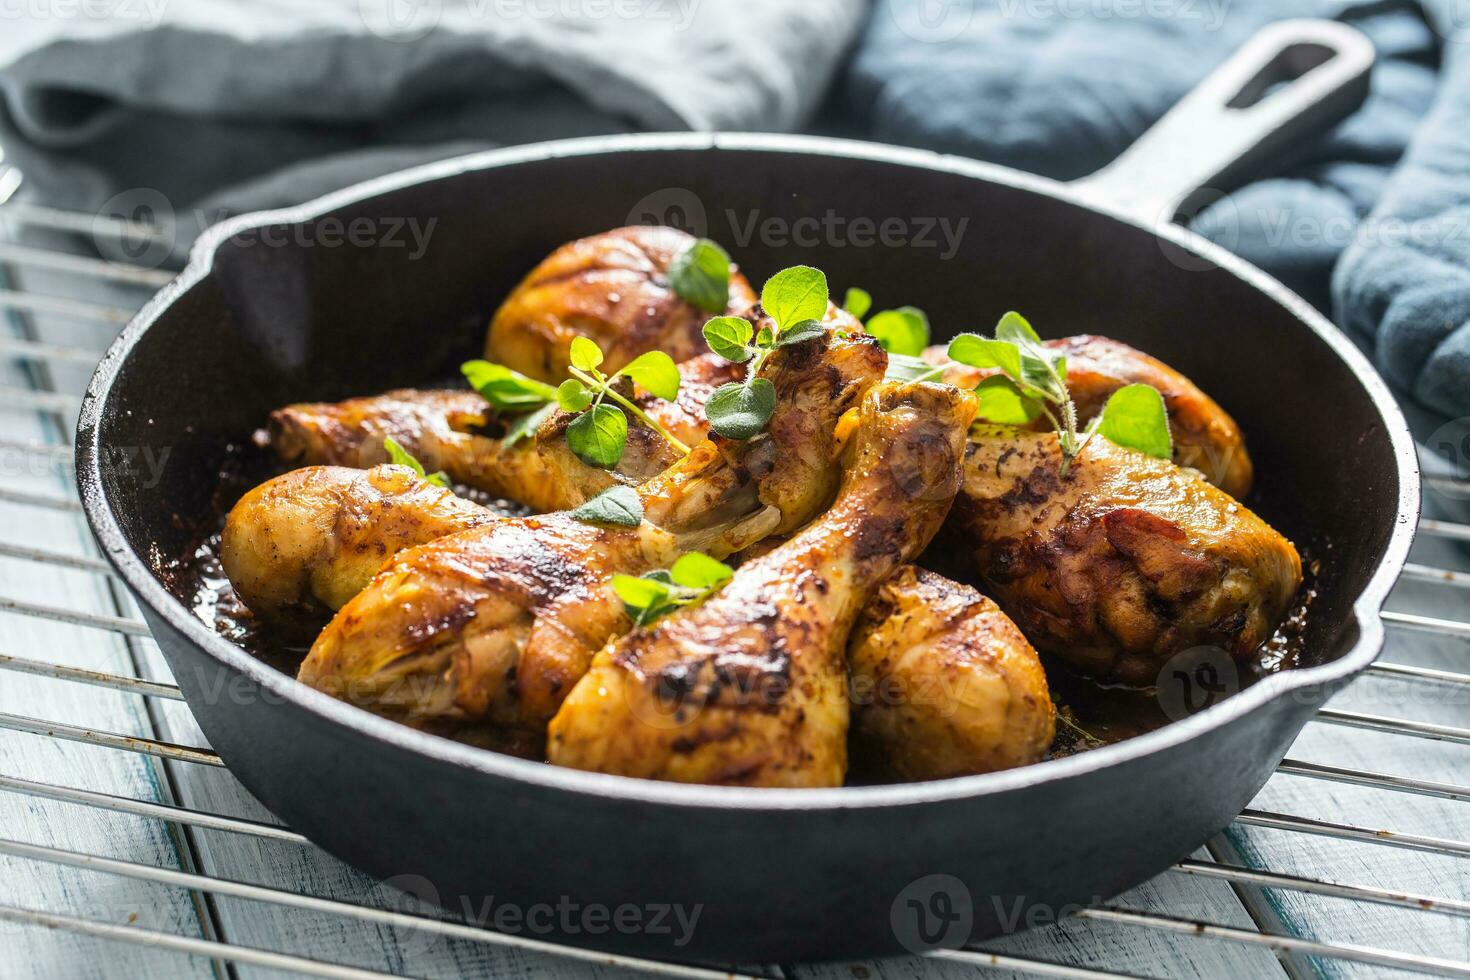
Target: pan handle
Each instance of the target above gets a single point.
(1291, 80)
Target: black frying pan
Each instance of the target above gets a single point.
(271, 312)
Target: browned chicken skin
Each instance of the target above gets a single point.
(312, 538)
(1205, 436)
(944, 684)
(1123, 562)
(457, 432)
(612, 288)
(497, 623)
(749, 687)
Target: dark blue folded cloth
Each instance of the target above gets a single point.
(1371, 223)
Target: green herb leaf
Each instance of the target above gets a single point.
(585, 355)
(1003, 403)
(573, 396)
(798, 332)
(901, 331)
(402, 457)
(1036, 371)
(729, 337)
(616, 505)
(1015, 327)
(640, 592)
(598, 435)
(1135, 418)
(505, 389)
(795, 294)
(697, 571)
(524, 425)
(700, 275)
(901, 367)
(857, 302)
(764, 337)
(656, 372)
(741, 410)
(982, 352)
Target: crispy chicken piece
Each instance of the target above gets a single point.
(1123, 562)
(457, 431)
(1205, 436)
(944, 684)
(612, 288)
(748, 688)
(312, 538)
(495, 624)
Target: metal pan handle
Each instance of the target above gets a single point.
(1291, 80)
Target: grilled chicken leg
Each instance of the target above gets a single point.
(1121, 563)
(313, 537)
(943, 683)
(1205, 436)
(748, 688)
(612, 288)
(497, 623)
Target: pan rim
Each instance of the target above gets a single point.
(162, 604)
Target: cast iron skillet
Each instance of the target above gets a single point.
(270, 311)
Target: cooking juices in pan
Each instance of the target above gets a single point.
(636, 290)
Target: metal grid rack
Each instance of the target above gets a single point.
(1270, 864)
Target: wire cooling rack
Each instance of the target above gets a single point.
(129, 850)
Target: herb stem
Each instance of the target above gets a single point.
(605, 388)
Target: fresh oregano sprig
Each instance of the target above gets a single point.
(651, 595)
(620, 506)
(600, 431)
(1032, 381)
(402, 457)
(796, 299)
(511, 392)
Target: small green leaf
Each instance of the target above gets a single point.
(1013, 326)
(655, 371)
(1135, 418)
(1036, 371)
(1002, 402)
(585, 355)
(795, 294)
(764, 337)
(700, 275)
(524, 425)
(640, 593)
(901, 367)
(699, 571)
(402, 457)
(798, 332)
(982, 352)
(729, 337)
(857, 302)
(616, 505)
(901, 331)
(505, 389)
(598, 435)
(739, 410)
(573, 396)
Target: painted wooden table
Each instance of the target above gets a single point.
(127, 851)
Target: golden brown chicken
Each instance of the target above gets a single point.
(497, 623)
(457, 431)
(1121, 563)
(311, 539)
(1205, 436)
(612, 288)
(944, 684)
(749, 687)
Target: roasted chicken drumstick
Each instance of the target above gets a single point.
(748, 688)
(497, 623)
(612, 288)
(1121, 563)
